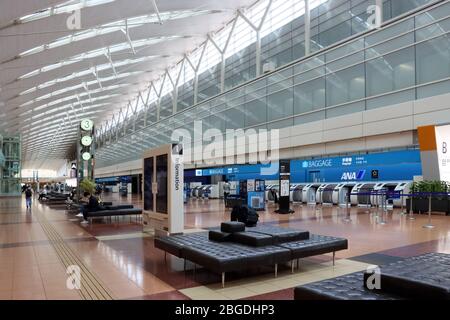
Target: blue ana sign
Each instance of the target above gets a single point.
(394, 165)
(354, 175)
(385, 158)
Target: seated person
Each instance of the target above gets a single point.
(89, 204)
(73, 193)
(43, 194)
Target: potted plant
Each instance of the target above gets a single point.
(87, 185)
(439, 198)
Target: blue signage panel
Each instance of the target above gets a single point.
(384, 158)
(396, 165)
(388, 166)
(107, 180)
(253, 171)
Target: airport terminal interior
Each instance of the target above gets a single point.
(224, 150)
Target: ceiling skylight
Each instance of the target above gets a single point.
(93, 71)
(76, 96)
(65, 7)
(88, 83)
(105, 51)
(120, 25)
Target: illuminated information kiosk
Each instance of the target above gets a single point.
(163, 189)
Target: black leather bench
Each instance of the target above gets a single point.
(75, 206)
(56, 196)
(315, 245)
(219, 252)
(280, 235)
(348, 287)
(47, 199)
(253, 239)
(225, 257)
(423, 277)
(255, 236)
(90, 215)
(174, 244)
(117, 207)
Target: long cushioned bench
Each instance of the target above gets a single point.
(348, 287)
(113, 212)
(75, 206)
(423, 277)
(225, 257)
(175, 244)
(235, 249)
(56, 197)
(315, 245)
(257, 236)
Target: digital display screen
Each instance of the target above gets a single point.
(148, 179)
(443, 152)
(162, 180)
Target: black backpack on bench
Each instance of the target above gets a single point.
(245, 214)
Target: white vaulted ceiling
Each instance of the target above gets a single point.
(51, 76)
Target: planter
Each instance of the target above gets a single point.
(420, 205)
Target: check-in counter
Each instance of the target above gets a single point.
(324, 194)
(309, 193)
(340, 193)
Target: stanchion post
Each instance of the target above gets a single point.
(429, 225)
(402, 212)
(411, 215)
(347, 200)
(383, 208)
(377, 207)
(368, 205)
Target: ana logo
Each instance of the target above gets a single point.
(198, 173)
(305, 164)
(348, 176)
(230, 170)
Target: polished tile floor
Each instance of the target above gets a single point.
(118, 261)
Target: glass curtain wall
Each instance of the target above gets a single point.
(406, 60)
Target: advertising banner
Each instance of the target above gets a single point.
(443, 153)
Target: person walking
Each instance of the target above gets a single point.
(28, 196)
(226, 191)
